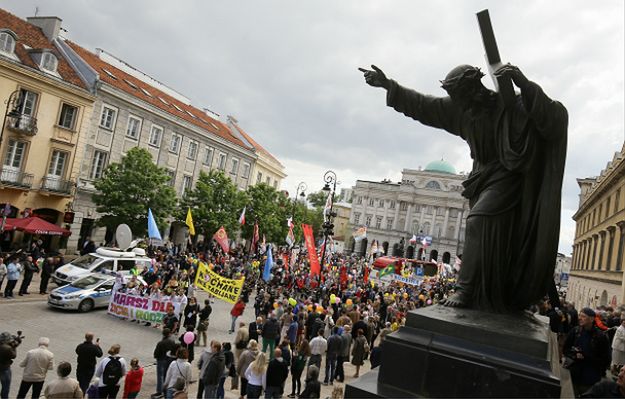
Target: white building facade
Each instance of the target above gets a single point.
(425, 203)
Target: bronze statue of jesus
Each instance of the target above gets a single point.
(514, 189)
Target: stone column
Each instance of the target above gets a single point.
(600, 265)
(444, 232)
(396, 218)
(608, 262)
(408, 218)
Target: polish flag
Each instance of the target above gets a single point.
(242, 217)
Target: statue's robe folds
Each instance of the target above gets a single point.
(514, 191)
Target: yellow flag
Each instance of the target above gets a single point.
(189, 223)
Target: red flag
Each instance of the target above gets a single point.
(285, 258)
(366, 277)
(255, 238)
(242, 217)
(222, 239)
(343, 276)
(315, 269)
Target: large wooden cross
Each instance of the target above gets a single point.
(502, 84)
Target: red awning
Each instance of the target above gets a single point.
(35, 225)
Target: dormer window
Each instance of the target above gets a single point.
(147, 93)
(177, 107)
(109, 73)
(7, 43)
(49, 62)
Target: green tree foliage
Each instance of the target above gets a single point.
(128, 188)
(267, 206)
(215, 201)
(318, 199)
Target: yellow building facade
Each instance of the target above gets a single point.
(45, 117)
(596, 277)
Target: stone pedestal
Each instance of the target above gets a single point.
(448, 352)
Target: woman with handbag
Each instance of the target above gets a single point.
(360, 351)
(203, 324)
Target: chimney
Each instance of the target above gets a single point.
(49, 25)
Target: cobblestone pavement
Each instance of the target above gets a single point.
(32, 315)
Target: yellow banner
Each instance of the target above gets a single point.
(223, 288)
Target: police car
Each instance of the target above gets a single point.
(86, 293)
(102, 260)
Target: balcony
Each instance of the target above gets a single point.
(22, 123)
(55, 185)
(15, 178)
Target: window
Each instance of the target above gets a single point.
(368, 220)
(428, 210)
(208, 156)
(371, 201)
(275, 184)
(417, 208)
(129, 83)
(246, 170)
(172, 177)
(109, 73)
(433, 185)
(378, 222)
(617, 197)
(235, 166)
(192, 151)
(7, 43)
(27, 104)
(381, 204)
(403, 206)
(147, 93)
(156, 134)
(259, 177)
(134, 127)
(48, 62)
(174, 144)
(268, 180)
(98, 164)
(15, 154)
(186, 184)
(57, 163)
(356, 218)
(440, 211)
(222, 161)
(107, 119)
(359, 200)
(453, 212)
(391, 204)
(68, 116)
(389, 223)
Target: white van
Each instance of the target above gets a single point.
(110, 259)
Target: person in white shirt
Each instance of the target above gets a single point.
(113, 375)
(318, 347)
(180, 368)
(36, 365)
(256, 375)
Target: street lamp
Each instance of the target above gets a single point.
(329, 178)
(11, 103)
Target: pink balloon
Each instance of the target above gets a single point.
(429, 302)
(188, 338)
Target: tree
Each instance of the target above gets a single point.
(215, 201)
(127, 189)
(266, 206)
(318, 199)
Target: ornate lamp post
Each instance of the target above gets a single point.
(329, 178)
(299, 192)
(10, 110)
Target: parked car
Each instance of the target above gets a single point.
(86, 293)
(102, 259)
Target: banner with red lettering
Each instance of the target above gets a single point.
(315, 268)
(222, 239)
(135, 307)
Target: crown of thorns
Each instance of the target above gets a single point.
(472, 73)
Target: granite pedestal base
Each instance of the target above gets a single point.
(448, 352)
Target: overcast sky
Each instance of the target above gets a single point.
(287, 70)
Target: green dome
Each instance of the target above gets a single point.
(441, 166)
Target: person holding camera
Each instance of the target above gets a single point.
(8, 352)
(87, 352)
(587, 352)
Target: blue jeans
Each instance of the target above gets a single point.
(254, 391)
(330, 369)
(5, 380)
(220, 388)
(161, 370)
(169, 393)
(234, 320)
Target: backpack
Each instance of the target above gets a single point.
(112, 372)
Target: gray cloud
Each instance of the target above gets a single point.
(287, 71)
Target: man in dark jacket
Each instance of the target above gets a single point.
(214, 370)
(335, 344)
(29, 269)
(46, 271)
(270, 331)
(165, 345)
(87, 353)
(346, 343)
(589, 350)
(277, 372)
(255, 327)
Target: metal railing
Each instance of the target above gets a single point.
(56, 185)
(15, 178)
(22, 123)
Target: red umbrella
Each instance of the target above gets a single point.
(35, 225)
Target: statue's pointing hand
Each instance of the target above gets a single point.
(375, 77)
(514, 73)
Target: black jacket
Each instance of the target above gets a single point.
(214, 369)
(87, 353)
(271, 329)
(163, 346)
(277, 371)
(334, 346)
